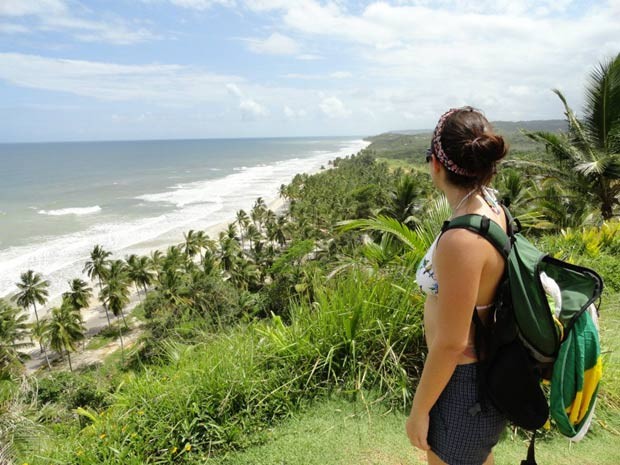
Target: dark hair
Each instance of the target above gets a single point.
(469, 141)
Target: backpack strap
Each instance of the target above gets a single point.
(486, 228)
(531, 452)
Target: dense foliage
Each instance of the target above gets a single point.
(282, 307)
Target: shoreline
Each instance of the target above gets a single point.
(95, 312)
(206, 205)
(94, 315)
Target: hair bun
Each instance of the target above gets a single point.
(486, 149)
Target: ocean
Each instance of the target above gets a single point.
(59, 200)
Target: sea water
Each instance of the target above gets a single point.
(59, 200)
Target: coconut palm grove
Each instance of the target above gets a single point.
(295, 336)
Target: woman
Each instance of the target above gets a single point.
(460, 273)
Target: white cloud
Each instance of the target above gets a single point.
(288, 112)
(316, 77)
(275, 44)
(250, 108)
(56, 15)
(93, 31)
(8, 28)
(201, 4)
(234, 89)
(341, 75)
(31, 7)
(294, 114)
(445, 52)
(511, 7)
(309, 57)
(333, 107)
(164, 84)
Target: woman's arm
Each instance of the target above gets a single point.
(458, 263)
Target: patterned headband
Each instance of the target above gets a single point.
(437, 149)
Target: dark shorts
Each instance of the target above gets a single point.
(460, 431)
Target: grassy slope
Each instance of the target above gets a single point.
(338, 432)
(342, 433)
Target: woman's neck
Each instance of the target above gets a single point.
(459, 199)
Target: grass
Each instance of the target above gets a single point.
(339, 432)
(250, 389)
(333, 432)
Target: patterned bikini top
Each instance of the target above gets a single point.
(425, 275)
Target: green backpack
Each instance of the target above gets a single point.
(532, 336)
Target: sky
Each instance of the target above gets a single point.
(174, 69)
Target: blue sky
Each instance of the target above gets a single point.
(160, 69)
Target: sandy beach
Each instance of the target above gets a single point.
(95, 316)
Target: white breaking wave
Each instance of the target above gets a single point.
(71, 211)
(199, 205)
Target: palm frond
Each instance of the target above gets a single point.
(602, 102)
(591, 167)
(437, 212)
(579, 136)
(387, 225)
(558, 145)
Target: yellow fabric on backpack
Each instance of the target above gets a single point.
(578, 409)
(577, 372)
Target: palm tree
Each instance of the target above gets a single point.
(243, 221)
(32, 290)
(202, 241)
(115, 293)
(414, 241)
(403, 198)
(257, 213)
(157, 261)
(191, 248)
(175, 259)
(253, 235)
(139, 272)
(96, 268)
(79, 294)
(589, 153)
(38, 331)
(245, 275)
(64, 329)
(13, 332)
(280, 230)
(229, 250)
(283, 191)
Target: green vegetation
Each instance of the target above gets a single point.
(291, 331)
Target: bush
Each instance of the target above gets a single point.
(72, 390)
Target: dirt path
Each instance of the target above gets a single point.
(95, 320)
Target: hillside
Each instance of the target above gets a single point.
(411, 144)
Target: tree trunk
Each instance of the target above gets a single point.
(69, 358)
(37, 317)
(120, 335)
(124, 321)
(105, 307)
(49, 365)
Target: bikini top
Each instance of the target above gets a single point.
(425, 275)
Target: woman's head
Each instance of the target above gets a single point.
(465, 144)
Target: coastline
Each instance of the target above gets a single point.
(94, 315)
(64, 261)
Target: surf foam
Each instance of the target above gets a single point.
(199, 205)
